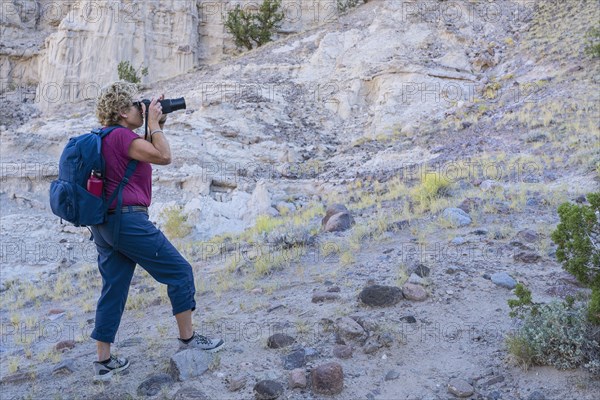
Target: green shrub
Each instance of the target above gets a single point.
(521, 307)
(257, 28)
(128, 73)
(556, 335)
(577, 237)
(592, 46)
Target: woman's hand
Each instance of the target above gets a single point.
(154, 113)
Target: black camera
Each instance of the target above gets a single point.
(168, 105)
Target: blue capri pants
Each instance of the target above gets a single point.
(140, 242)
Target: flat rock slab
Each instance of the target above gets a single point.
(237, 383)
(527, 257)
(64, 367)
(456, 217)
(504, 280)
(380, 296)
(189, 364)
(268, 390)
(190, 393)
(460, 388)
(153, 384)
(320, 297)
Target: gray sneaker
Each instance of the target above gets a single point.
(103, 372)
(203, 343)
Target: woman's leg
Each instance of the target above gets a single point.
(184, 323)
(116, 270)
(143, 243)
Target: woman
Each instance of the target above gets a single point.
(139, 241)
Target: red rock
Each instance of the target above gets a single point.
(64, 345)
(328, 379)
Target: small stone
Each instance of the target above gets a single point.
(64, 367)
(460, 388)
(237, 383)
(55, 311)
(342, 351)
(416, 280)
(189, 364)
(409, 319)
(495, 395)
(371, 346)
(421, 270)
(268, 390)
(328, 379)
(470, 204)
(279, 340)
(414, 292)
(453, 269)
(334, 289)
(448, 291)
(320, 297)
(385, 339)
(490, 184)
(504, 280)
(348, 328)
(153, 384)
(493, 381)
(339, 222)
(398, 225)
(527, 235)
(295, 359)
(380, 296)
(456, 217)
(536, 396)
(297, 378)
(190, 393)
(392, 375)
(64, 345)
(368, 323)
(256, 291)
(458, 240)
(527, 257)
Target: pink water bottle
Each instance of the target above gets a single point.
(95, 184)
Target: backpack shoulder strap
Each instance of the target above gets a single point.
(119, 194)
(103, 132)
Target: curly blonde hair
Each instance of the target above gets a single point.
(114, 99)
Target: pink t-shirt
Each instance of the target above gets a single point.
(115, 148)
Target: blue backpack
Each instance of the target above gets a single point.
(69, 198)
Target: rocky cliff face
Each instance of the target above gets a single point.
(70, 49)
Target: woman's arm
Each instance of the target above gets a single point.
(157, 150)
